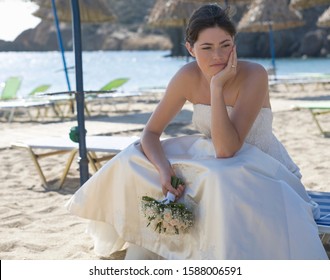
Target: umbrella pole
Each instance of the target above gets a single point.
(83, 161)
(272, 48)
(60, 43)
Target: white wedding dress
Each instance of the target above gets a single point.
(250, 206)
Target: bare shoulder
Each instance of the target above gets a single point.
(248, 69)
(253, 83)
(189, 71)
(185, 80)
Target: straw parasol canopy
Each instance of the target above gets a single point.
(305, 4)
(324, 19)
(171, 13)
(234, 2)
(263, 13)
(201, 1)
(91, 11)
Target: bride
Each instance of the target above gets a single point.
(244, 189)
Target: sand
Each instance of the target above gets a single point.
(36, 226)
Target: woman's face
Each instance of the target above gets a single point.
(212, 50)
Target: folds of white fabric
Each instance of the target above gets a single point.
(246, 207)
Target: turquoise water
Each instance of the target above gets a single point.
(144, 68)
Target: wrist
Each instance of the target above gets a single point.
(164, 168)
(216, 89)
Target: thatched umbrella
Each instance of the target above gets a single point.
(225, 2)
(267, 16)
(91, 11)
(96, 11)
(263, 13)
(324, 19)
(305, 4)
(172, 13)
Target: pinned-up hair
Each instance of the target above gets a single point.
(209, 15)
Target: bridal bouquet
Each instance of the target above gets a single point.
(167, 216)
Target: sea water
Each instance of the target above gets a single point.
(145, 69)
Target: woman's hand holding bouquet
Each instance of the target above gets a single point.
(167, 216)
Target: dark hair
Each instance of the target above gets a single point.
(209, 15)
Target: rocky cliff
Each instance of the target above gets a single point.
(130, 32)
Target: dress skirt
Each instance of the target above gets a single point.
(249, 206)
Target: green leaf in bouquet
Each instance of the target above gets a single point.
(176, 181)
(167, 218)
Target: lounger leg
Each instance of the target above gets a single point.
(11, 116)
(93, 161)
(317, 122)
(29, 114)
(67, 167)
(325, 238)
(87, 111)
(37, 165)
(57, 112)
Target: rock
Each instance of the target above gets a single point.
(146, 42)
(312, 43)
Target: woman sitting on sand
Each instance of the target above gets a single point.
(244, 189)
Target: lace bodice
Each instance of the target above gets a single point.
(261, 134)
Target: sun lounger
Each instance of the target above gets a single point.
(111, 145)
(323, 223)
(11, 107)
(319, 83)
(113, 98)
(38, 90)
(10, 104)
(316, 108)
(114, 84)
(64, 101)
(11, 87)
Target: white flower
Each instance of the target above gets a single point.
(175, 222)
(167, 218)
(167, 215)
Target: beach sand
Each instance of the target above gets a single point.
(34, 222)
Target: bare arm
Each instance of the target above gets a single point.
(229, 131)
(169, 106)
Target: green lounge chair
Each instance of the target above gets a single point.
(114, 84)
(107, 92)
(10, 104)
(316, 108)
(39, 89)
(63, 103)
(12, 85)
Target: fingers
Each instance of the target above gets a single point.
(234, 55)
(177, 192)
(232, 61)
(169, 188)
(180, 190)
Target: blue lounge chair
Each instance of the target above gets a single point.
(323, 200)
(323, 223)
